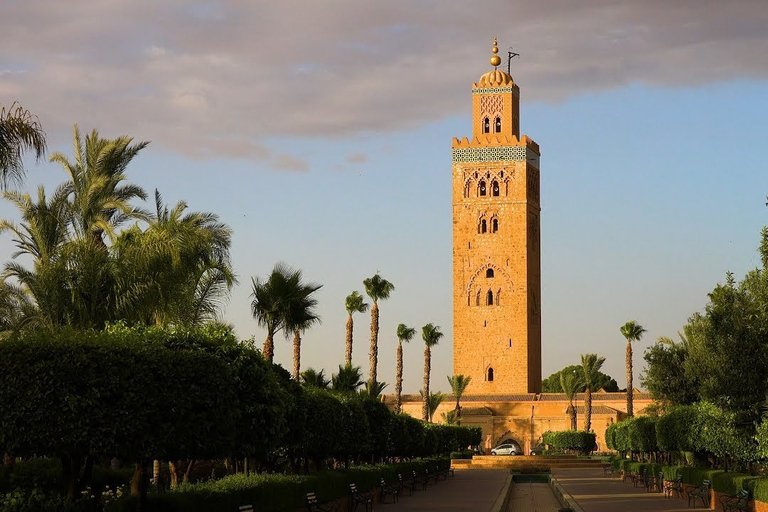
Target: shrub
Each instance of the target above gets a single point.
(577, 440)
(642, 434)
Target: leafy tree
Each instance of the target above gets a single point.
(404, 334)
(571, 383)
(665, 375)
(552, 383)
(348, 380)
(20, 131)
(632, 331)
(433, 401)
(377, 289)
(312, 378)
(590, 364)
(458, 385)
(354, 303)
(431, 335)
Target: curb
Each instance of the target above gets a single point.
(503, 499)
(566, 500)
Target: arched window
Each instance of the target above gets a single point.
(482, 188)
(497, 124)
(495, 188)
(489, 375)
(486, 125)
(477, 298)
(494, 225)
(489, 298)
(489, 272)
(483, 226)
(498, 296)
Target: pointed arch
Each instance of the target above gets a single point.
(489, 298)
(495, 188)
(486, 125)
(497, 124)
(481, 188)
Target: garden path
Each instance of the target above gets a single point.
(471, 490)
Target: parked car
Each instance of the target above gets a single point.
(538, 450)
(506, 449)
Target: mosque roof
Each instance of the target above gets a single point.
(495, 78)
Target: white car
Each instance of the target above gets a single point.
(506, 449)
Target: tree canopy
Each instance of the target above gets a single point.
(552, 383)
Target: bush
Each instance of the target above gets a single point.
(642, 434)
(577, 440)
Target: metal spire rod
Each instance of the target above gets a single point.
(511, 55)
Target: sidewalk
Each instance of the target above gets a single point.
(532, 498)
(595, 492)
(470, 490)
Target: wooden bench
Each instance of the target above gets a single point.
(420, 480)
(387, 490)
(737, 502)
(700, 491)
(607, 469)
(654, 482)
(314, 505)
(245, 508)
(675, 486)
(640, 478)
(356, 497)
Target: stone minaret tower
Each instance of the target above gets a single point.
(496, 251)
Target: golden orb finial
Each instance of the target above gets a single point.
(495, 59)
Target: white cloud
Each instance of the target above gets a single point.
(188, 78)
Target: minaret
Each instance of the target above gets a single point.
(496, 251)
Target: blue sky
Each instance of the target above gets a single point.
(331, 150)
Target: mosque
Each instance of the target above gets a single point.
(497, 282)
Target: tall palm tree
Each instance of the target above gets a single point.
(432, 401)
(458, 384)
(377, 289)
(632, 331)
(277, 302)
(348, 380)
(301, 317)
(404, 333)
(354, 304)
(571, 384)
(312, 378)
(99, 200)
(20, 131)
(590, 366)
(431, 335)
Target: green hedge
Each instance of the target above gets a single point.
(578, 440)
(273, 492)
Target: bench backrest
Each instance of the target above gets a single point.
(245, 508)
(383, 483)
(706, 484)
(743, 494)
(311, 498)
(353, 488)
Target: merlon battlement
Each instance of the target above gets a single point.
(494, 140)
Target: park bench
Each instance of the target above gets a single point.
(654, 482)
(675, 486)
(737, 502)
(640, 478)
(700, 491)
(440, 473)
(356, 497)
(245, 508)
(420, 480)
(607, 469)
(628, 475)
(386, 490)
(314, 505)
(403, 484)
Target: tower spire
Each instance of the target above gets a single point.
(495, 59)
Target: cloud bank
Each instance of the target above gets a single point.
(213, 79)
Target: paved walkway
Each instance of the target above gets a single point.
(470, 490)
(532, 498)
(595, 492)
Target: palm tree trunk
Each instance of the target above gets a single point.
(572, 412)
(269, 347)
(296, 354)
(348, 354)
(399, 380)
(587, 409)
(427, 367)
(374, 354)
(629, 380)
(458, 409)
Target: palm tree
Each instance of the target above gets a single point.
(458, 384)
(312, 378)
(348, 379)
(432, 401)
(632, 331)
(373, 389)
(590, 366)
(20, 131)
(571, 384)
(99, 200)
(449, 417)
(278, 302)
(354, 304)
(404, 333)
(431, 335)
(301, 318)
(377, 289)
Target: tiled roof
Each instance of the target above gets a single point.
(476, 411)
(596, 409)
(601, 396)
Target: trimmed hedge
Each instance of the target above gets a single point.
(578, 440)
(273, 492)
